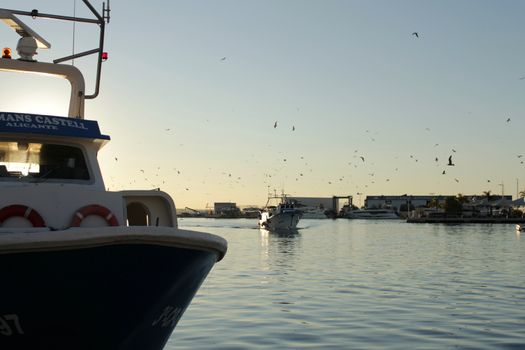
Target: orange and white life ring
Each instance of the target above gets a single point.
(94, 209)
(22, 211)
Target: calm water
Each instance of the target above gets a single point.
(343, 284)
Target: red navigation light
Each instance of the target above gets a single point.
(6, 52)
(104, 56)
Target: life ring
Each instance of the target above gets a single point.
(23, 211)
(94, 209)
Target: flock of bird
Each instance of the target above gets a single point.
(160, 179)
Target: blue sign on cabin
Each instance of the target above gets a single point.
(49, 125)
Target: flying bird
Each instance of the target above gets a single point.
(275, 125)
(362, 158)
(223, 59)
(508, 120)
(293, 128)
(444, 172)
(416, 34)
(450, 161)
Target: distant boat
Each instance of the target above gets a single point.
(313, 213)
(283, 216)
(520, 227)
(371, 214)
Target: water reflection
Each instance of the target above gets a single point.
(357, 285)
(280, 252)
(279, 247)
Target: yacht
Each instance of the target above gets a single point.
(371, 214)
(309, 212)
(83, 267)
(283, 216)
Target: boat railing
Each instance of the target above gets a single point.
(30, 41)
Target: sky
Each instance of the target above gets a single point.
(223, 101)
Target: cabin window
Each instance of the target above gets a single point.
(35, 161)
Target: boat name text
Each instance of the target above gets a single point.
(39, 121)
(10, 325)
(169, 317)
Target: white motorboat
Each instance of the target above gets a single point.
(371, 214)
(281, 217)
(83, 267)
(313, 213)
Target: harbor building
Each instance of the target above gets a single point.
(401, 203)
(226, 210)
(410, 202)
(333, 204)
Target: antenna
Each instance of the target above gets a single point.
(23, 29)
(105, 12)
(29, 44)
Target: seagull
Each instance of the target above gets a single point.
(416, 34)
(444, 172)
(223, 59)
(293, 128)
(362, 158)
(456, 180)
(275, 125)
(450, 161)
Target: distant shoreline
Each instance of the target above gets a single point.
(473, 220)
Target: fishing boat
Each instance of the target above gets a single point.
(83, 267)
(283, 216)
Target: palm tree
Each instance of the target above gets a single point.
(462, 199)
(434, 203)
(487, 195)
(452, 206)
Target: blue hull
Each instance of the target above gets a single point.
(122, 296)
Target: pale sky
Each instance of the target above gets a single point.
(192, 90)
